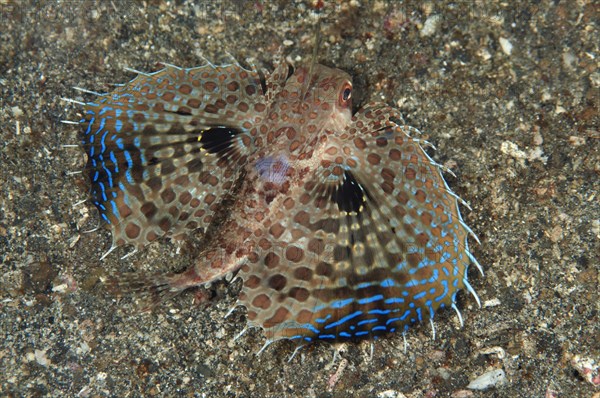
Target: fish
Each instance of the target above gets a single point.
(339, 224)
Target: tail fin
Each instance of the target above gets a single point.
(148, 291)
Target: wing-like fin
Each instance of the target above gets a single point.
(374, 243)
(165, 149)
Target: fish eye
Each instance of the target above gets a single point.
(347, 94)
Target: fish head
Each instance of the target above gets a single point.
(321, 96)
(311, 103)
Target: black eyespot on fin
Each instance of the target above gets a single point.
(350, 195)
(218, 140)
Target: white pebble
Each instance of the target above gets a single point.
(491, 303)
(489, 379)
(506, 45)
(512, 149)
(569, 60)
(430, 25)
(17, 112)
(60, 288)
(40, 357)
(390, 394)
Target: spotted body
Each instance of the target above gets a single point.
(340, 225)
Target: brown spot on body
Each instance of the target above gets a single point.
(182, 180)
(132, 231)
(277, 282)
(413, 259)
(271, 260)
(210, 108)
(422, 239)
(149, 209)
(360, 143)
(280, 316)
(185, 89)
(324, 269)
(262, 301)
(194, 103)
(387, 187)
(209, 199)
(388, 175)
(276, 230)
(151, 236)
(316, 246)
(374, 159)
(200, 213)
(233, 86)
(402, 197)
(184, 216)
(124, 210)
(381, 141)
(305, 316)
(426, 218)
(395, 154)
(303, 273)
(288, 203)
(185, 198)
(290, 133)
(212, 180)
(210, 86)
(299, 293)
(250, 90)
(252, 282)
(168, 195)
(165, 224)
(184, 110)
(294, 254)
(139, 118)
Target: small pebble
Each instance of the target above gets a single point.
(40, 357)
(587, 368)
(390, 394)
(487, 380)
(512, 149)
(506, 45)
(430, 25)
